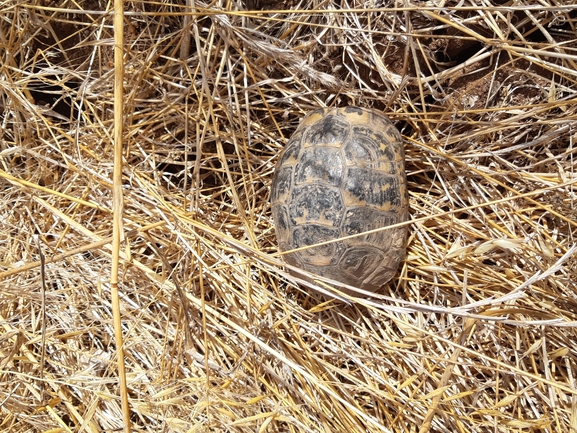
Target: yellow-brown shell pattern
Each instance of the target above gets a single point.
(343, 173)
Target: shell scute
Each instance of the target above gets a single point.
(322, 255)
(283, 181)
(313, 166)
(372, 187)
(359, 262)
(329, 130)
(316, 203)
(364, 219)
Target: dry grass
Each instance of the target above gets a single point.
(477, 333)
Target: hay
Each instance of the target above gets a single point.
(475, 335)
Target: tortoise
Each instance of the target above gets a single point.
(342, 173)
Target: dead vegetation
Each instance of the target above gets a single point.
(477, 333)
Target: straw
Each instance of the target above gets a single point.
(476, 333)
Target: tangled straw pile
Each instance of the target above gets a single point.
(477, 333)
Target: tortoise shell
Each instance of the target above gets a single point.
(342, 173)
